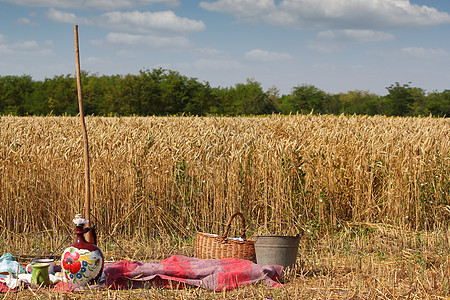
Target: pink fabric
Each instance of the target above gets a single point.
(178, 271)
(65, 287)
(4, 288)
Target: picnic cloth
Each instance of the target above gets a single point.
(4, 288)
(9, 269)
(178, 271)
(8, 264)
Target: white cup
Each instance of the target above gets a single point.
(49, 261)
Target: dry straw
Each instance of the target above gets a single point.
(178, 175)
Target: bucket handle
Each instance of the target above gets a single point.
(242, 225)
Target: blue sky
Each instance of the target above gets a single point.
(336, 45)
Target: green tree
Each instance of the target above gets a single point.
(36, 102)
(244, 98)
(13, 93)
(404, 100)
(200, 97)
(94, 90)
(305, 99)
(360, 102)
(146, 92)
(438, 104)
(249, 98)
(174, 92)
(62, 94)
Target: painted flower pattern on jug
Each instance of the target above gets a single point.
(81, 266)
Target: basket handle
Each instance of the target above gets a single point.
(242, 225)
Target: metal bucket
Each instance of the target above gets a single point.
(276, 250)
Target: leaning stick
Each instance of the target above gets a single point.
(87, 192)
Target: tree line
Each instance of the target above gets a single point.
(166, 92)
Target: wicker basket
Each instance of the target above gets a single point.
(209, 246)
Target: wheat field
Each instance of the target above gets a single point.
(369, 194)
(181, 174)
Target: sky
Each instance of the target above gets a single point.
(335, 45)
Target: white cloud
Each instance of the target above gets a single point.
(325, 47)
(424, 52)
(245, 10)
(23, 48)
(332, 41)
(360, 14)
(148, 22)
(93, 60)
(217, 64)
(92, 4)
(49, 43)
(26, 45)
(62, 17)
(117, 38)
(354, 35)
(411, 52)
(26, 21)
(267, 56)
(133, 22)
(126, 54)
(210, 53)
(325, 67)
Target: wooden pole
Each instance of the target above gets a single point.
(87, 192)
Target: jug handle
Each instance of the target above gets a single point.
(92, 233)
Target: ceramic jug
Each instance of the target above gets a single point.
(82, 262)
